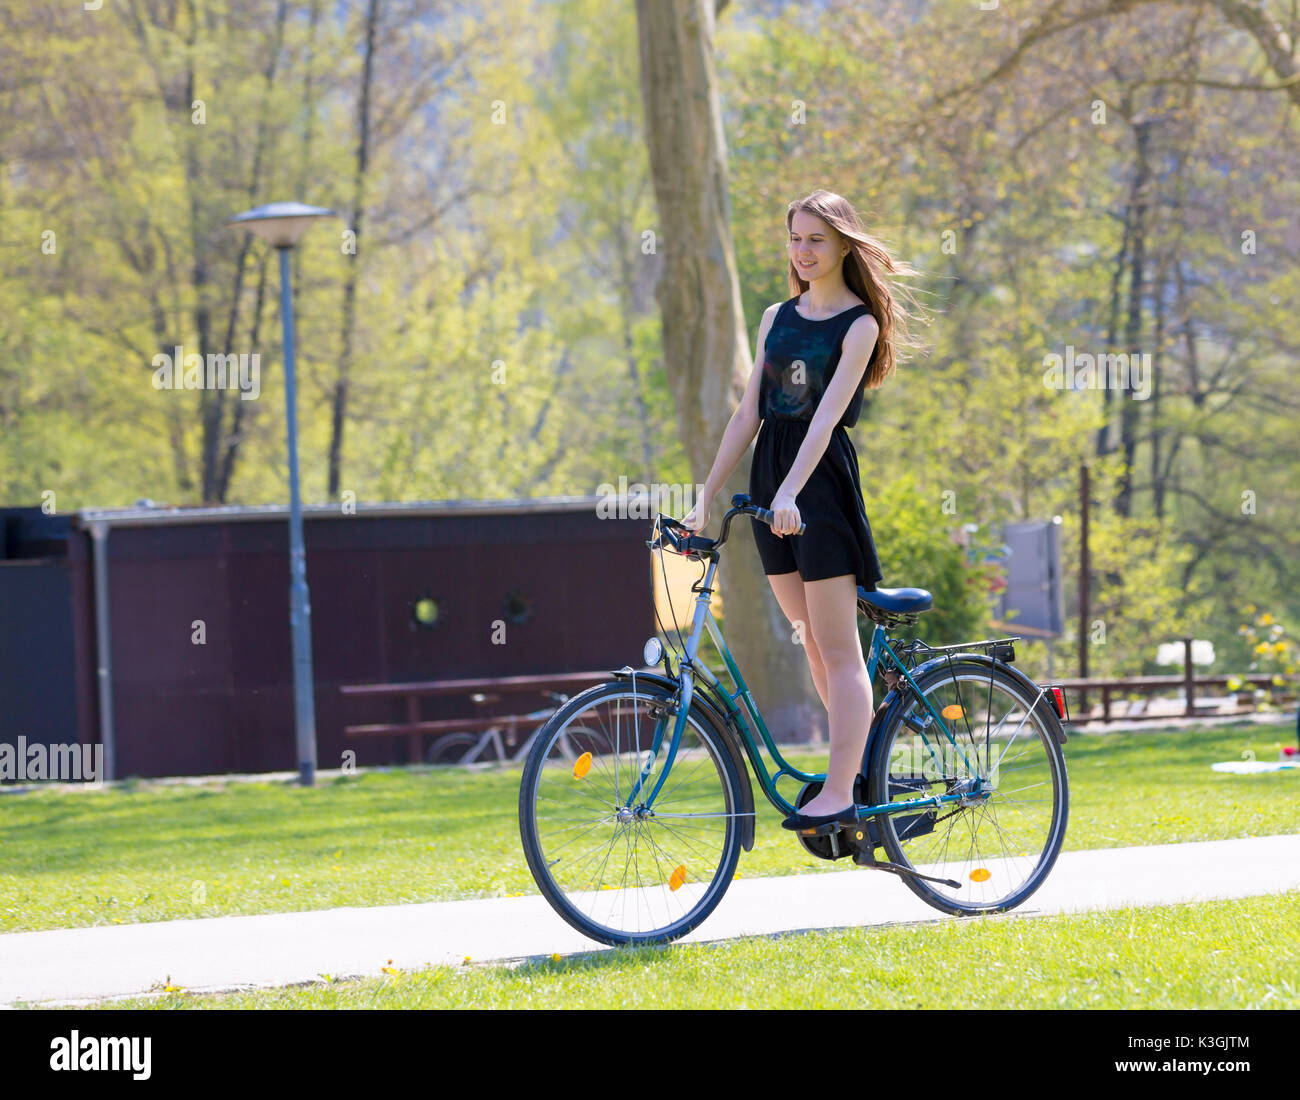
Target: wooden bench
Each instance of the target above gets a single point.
(551, 689)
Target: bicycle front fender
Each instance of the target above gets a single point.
(726, 735)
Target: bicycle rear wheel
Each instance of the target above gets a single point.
(450, 748)
(1001, 840)
(617, 872)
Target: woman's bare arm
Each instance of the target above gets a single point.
(741, 428)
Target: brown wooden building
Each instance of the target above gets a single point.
(164, 633)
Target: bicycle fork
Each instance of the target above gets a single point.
(627, 812)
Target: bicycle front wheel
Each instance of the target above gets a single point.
(1001, 838)
(617, 871)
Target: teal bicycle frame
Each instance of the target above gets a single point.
(691, 665)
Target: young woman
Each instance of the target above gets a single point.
(815, 355)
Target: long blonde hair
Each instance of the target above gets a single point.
(865, 268)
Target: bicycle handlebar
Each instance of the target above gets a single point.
(691, 544)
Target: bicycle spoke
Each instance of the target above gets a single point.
(625, 876)
(996, 844)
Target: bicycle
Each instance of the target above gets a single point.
(469, 748)
(639, 844)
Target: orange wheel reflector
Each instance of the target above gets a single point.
(582, 765)
(676, 879)
(952, 711)
(980, 874)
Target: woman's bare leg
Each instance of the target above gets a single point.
(788, 588)
(833, 616)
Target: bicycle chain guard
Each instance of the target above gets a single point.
(843, 843)
(861, 840)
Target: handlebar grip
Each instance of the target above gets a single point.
(681, 543)
(767, 517)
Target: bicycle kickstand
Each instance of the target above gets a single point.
(866, 857)
(879, 866)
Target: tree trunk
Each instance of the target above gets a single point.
(339, 404)
(1157, 429)
(1128, 413)
(231, 438)
(1112, 329)
(626, 306)
(704, 338)
(211, 402)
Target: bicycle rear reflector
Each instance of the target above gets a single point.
(1060, 702)
(980, 874)
(582, 765)
(678, 876)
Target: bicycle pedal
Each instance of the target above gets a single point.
(820, 830)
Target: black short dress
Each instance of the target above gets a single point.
(800, 357)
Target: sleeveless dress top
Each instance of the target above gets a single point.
(800, 357)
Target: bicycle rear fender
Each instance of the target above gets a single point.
(895, 697)
(728, 738)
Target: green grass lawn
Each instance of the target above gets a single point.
(1240, 953)
(157, 852)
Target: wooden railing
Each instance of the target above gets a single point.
(1108, 687)
(481, 691)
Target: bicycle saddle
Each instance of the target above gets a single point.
(898, 601)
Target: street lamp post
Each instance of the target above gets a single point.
(282, 224)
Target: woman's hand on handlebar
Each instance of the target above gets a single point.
(785, 514)
(697, 519)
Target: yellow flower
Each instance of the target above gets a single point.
(1263, 647)
(1265, 619)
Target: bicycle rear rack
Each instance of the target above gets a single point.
(1000, 649)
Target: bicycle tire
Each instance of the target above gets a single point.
(1041, 760)
(450, 749)
(712, 842)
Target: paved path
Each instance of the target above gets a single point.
(230, 952)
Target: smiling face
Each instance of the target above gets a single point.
(815, 248)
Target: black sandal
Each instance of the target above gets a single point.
(824, 825)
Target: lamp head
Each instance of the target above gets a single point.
(280, 223)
